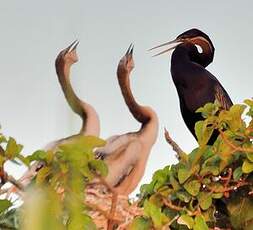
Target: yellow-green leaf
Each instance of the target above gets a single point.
(205, 200)
(200, 223)
(4, 205)
(192, 187)
(183, 175)
(186, 220)
(42, 174)
(247, 166)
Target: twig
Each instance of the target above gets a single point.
(3, 191)
(15, 182)
(111, 222)
(180, 153)
(177, 208)
(113, 204)
(234, 147)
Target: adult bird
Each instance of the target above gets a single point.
(90, 120)
(195, 85)
(126, 155)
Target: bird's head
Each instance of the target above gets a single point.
(68, 56)
(126, 63)
(196, 37)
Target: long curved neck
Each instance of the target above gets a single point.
(207, 55)
(139, 112)
(90, 120)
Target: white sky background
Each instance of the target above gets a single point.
(33, 108)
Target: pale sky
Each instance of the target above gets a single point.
(33, 108)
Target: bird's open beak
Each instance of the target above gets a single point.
(72, 46)
(175, 43)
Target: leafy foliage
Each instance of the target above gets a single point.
(210, 187)
(55, 200)
(213, 187)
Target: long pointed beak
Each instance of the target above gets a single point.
(74, 45)
(176, 42)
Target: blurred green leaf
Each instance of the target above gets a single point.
(240, 210)
(176, 186)
(158, 218)
(99, 166)
(42, 175)
(250, 156)
(140, 223)
(183, 196)
(4, 205)
(12, 148)
(205, 200)
(192, 187)
(183, 175)
(186, 220)
(208, 109)
(3, 139)
(214, 170)
(247, 166)
(37, 156)
(217, 195)
(200, 223)
(237, 173)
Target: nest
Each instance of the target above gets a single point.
(109, 210)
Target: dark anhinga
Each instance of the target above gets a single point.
(195, 85)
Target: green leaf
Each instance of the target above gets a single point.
(176, 186)
(140, 223)
(214, 170)
(3, 139)
(158, 218)
(192, 187)
(209, 109)
(37, 156)
(161, 177)
(247, 167)
(99, 166)
(2, 160)
(42, 175)
(205, 200)
(12, 148)
(240, 210)
(217, 195)
(198, 129)
(200, 223)
(186, 220)
(147, 189)
(183, 196)
(82, 144)
(250, 156)
(237, 173)
(86, 172)
(183, 175)
(4, 205)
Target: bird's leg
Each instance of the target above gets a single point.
(111, 222)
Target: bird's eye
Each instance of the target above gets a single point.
(200, 50)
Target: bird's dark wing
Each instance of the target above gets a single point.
(220, 93)
(222, 97)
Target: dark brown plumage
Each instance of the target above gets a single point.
(195, 85)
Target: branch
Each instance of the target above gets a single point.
(15, 182)
(169, 204)
(234, 147)
(181, 155)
